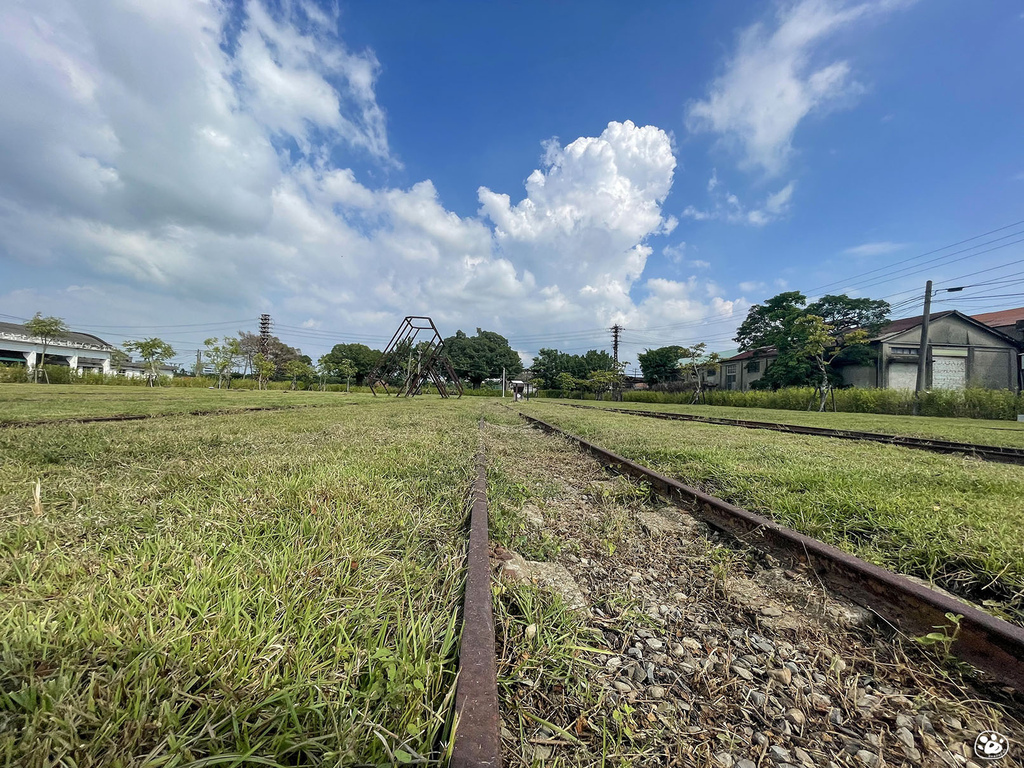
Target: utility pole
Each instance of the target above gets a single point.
(922, 355)
(503, 381)
(199, 362)
(616, 330)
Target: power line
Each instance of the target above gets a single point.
(918, 256)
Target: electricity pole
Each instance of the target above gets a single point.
(922, 354)
(616, 330)
(503, 381)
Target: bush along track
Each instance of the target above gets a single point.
(631, 633)
(986, 452)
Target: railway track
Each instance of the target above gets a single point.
(145, 416)
(477, 739)
(990, 644)
(985, 452)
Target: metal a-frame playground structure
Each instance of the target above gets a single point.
(417, 361)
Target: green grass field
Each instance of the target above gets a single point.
(282, 587)
(983, 432)
(273, 588)
(34, 402)
(957, 522)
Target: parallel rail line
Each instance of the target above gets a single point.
(997, 453)
(144, 416)
(990, 644)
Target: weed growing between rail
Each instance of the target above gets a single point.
(1006, 434)
(35, 402)
(950, 520)
(272, 588)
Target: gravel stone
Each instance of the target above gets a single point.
(779, 754)
(622, 686)
(869, 759)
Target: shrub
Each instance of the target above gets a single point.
(966, 403)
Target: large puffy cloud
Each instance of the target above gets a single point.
(166, 164)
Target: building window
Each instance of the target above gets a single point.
(754, 366)
(731, 368)
(906, 350)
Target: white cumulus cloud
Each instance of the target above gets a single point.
(175, 165)
(774, 80)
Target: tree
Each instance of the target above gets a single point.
(47, 330)
(698, 363)
(550, 363)
(819, 341)
(361, 356)
(263, 367)
(223, 357)
(299, 369)
(771, 324)
(346, 370)
(784, 324)
(567, 382)
(661, 365)
(481, 357)
(602, 382)
(251, 344)
(154, 352)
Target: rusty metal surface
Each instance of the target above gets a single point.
(991, 644)
(986, 452)
(144, 416)
(477, 740)
(434, 366)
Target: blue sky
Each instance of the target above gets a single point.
(543, 170)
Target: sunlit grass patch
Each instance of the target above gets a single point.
(952, 520)
(279, 586)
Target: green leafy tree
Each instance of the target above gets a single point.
(550, 363)
(346, 370)
(780, 324)
(47, 330)
(299, 369)
(154, 353)
(603, 382)
(361, 356)
(251, 344)
(567, 382)
(223, 357)
(698, 363)
(264, 368)
(661, 365)
(481, 357)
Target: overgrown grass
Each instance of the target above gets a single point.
(272, 588)
(955, 521)
(1010, 434)
(31, 402)
(976, 403)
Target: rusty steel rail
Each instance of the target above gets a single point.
(990, 644)
(987, 452)
(144, 416)
(477, 722)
